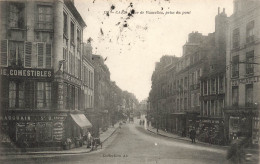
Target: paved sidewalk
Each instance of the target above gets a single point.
(103, 137)
(174, 136)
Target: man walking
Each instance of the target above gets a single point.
(192, 135)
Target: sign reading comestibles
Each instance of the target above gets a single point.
(26, 72)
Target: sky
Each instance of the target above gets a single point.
(134, 42)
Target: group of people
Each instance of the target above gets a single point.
(141, 122)
(92, 142)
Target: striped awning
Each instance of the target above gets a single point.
(81, 120)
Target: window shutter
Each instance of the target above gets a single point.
(48, 55)
(40, 48)
(28, 54)
(4, 52)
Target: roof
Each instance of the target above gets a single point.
(75, 12)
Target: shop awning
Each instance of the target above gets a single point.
(81, 120)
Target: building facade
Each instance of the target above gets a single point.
(41, 77)
(213, 84)
(243, 86)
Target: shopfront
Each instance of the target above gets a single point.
(239, 126)
(255, 130)
(211, 130)
(31, 129)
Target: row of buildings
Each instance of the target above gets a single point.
(214, 86)
(52, 86)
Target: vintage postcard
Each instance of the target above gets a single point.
(130, 81)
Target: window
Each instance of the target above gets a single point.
(65, 96)
(216, 111)
(205, 88)
(205, 110)
(65, 24)
(185, 103)
(44, 55)
(70, 96)
(212, 107)
(16, 15)
(213, 86)
(186, 82)
(76, 98)
(236, 38)
(249, 95)
(250, 32)
(221, 106)
(198, 76)
(45, 18)
(78, 39)
(16, 94)
(30, 94)
(43, 94)
(16, 53)
(79, 68)
(72, 36)
(250, 62)
(4, 52)
(192, 100)
(209, 112)
(235, 95)
(65, 58)
(221, 84)
(178, 104)
(198, 99)
(235, 66)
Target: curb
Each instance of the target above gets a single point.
(110, 135)
(54, 152)
(178, 138)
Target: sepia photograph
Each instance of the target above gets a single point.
(129, 81)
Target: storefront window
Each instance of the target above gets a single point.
(16, 94)
(43, 94)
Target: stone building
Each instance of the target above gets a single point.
(213, 85)
(101, 90)
(243, 71)
(41, 72)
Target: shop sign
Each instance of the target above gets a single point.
(30, 118)
(26, 72)
(248, 80)
(72, 79)
(58, 131)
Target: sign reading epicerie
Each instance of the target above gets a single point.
(26, 72)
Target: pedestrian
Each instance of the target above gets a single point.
(89, 138)
(193, 135)
(143, 122)
(140, 122)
